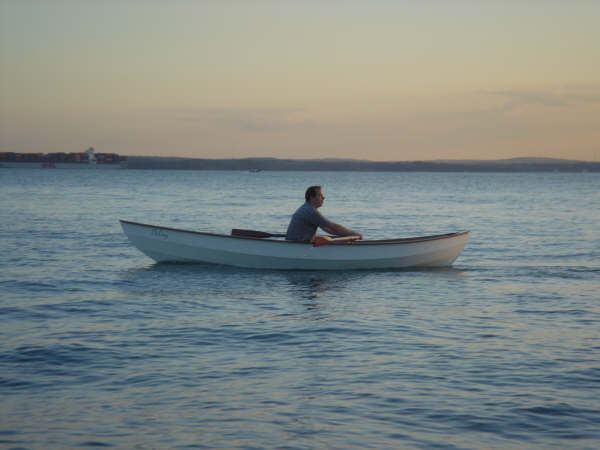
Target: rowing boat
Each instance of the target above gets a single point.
(164, 244)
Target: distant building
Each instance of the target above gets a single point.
(82, 160)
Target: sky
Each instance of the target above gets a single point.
(378, 80)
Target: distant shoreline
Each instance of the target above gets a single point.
(256, 165)
(325, 165)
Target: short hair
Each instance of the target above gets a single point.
(312, 191)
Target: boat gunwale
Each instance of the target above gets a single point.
(409, 240)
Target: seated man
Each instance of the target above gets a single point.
(306, 219)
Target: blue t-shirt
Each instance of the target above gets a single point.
(304, 223)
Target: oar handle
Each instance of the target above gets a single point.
(254, 233)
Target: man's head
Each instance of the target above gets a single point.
(314, 196)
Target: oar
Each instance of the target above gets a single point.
(318, 241)
(254, 233)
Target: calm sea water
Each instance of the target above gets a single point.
(100, 347)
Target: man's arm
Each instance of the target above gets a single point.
(340, 230)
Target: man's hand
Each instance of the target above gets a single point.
(340, 230)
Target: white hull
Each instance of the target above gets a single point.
(171, 245)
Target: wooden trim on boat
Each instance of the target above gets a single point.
(410, 239)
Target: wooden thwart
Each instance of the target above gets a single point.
(318, 241)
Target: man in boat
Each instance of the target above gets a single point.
(306, 220)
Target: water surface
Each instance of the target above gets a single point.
(99, 346)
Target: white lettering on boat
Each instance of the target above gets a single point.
(157, 232)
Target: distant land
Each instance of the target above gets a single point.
(256, 164)
(331, 164)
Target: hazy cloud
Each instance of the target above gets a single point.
(555, 98)
(255, 120)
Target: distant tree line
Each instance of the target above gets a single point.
(259, 164)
